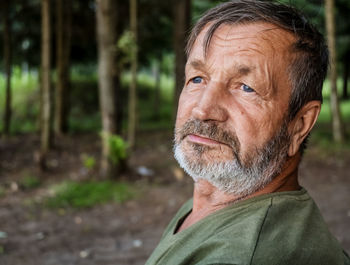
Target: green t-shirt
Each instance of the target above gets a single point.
(284, 228)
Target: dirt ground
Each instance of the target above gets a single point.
(126, 233)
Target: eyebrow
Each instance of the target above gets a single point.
(198, 64)
(241, 69)
(244, 69)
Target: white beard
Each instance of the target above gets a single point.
(232, 177)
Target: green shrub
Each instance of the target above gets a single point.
(118, 149)
(89, 162)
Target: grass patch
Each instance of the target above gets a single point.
(30, 182)
(87, 194)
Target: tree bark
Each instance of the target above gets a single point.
(345, 79)
(106, 40)
(7, 66)
(157, 96)
(122, 104)
(337, 125)
(182, 26)
(132, 113)
(63, 38)
(45, 82)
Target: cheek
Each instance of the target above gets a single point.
(254, 132)
(185, 106)
(183, 112)
(251, 125)
(244, 117)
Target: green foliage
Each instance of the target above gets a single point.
(88, 194)
(146, 82)
(25, 93)
(83, 73)
(118, 149)
(168, 64)
(326, 115)
(81, 122)
(199, 7)
(146, 85)
(89, 162)
(124, 48)
(30, 182)
(84, 114)
(322, 136)
(156, 26)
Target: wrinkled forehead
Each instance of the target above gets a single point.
(262, 50)
(263, 36)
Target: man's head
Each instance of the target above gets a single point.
(309, 64)
(252, 93)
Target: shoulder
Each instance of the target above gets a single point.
(294, 232)
(282, 228)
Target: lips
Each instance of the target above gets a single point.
(206, 133)
(202, 140)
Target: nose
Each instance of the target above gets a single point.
(210, 105)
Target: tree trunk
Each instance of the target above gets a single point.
(7, 66)
(345, 79)
(132, 113)
(118, 101)
(122, 104)
(107, 39)
(45, 82)
(337, 125)
(156, 75)
(63, 32)
(182, 26)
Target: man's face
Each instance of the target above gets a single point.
(231, 120)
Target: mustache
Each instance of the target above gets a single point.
(210, 130)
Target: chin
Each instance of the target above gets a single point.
(204, 154)
(229, 176)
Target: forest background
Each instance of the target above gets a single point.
(88, 98)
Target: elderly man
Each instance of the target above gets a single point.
(252, 94)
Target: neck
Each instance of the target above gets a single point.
(208, 199)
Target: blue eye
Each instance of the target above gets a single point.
(247, 88)
(197, 80)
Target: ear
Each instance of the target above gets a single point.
(302, 124)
